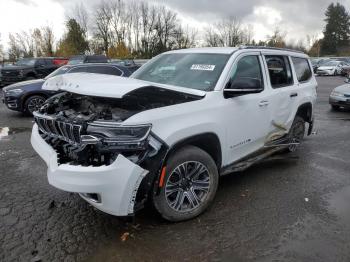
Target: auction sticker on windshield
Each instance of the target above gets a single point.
(203, 67)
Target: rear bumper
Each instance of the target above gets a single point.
(115, 185)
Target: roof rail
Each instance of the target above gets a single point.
(270, 48)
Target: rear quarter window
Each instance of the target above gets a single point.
(302, 69)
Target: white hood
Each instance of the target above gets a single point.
(105, 85)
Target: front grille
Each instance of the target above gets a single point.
(347, 95)
(66, 131)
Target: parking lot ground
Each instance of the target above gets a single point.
(293, 209)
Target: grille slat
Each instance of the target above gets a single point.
(58, 129)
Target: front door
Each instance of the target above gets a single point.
(248, 118)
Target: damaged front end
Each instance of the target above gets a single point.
(89, 131)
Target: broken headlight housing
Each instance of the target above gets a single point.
(116, 136)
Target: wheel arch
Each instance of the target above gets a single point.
(305, 112)
(25, 98)
(208, 142)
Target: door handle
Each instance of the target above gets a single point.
(264, 103)
(293, 94)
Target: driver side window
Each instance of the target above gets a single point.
(247, 69)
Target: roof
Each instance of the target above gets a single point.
(213, 50)
(230, 50)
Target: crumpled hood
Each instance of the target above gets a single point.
(105, 85)
(345, 89)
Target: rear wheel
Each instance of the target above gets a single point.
(296, 133)
(189, 186)
(33, 103)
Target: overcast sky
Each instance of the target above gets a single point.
(296, 17)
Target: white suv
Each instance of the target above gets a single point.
(167, 133)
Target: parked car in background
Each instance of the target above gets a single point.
(332, 67)
(129, 63)
(317, 62)
(27, 69)
(82, 59)
(29, 96)
(340, 96)
(60, 61)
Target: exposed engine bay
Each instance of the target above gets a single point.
(86, 130)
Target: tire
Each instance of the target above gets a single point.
(33, 103)
(296, 133)
(178, 199)
(335, 107)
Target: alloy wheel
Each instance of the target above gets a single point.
(35, 104)
(187, 186)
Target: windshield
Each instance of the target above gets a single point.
(331, 63)
(59, 71)
(25, 62)
(197, 71)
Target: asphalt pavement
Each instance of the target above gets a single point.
(289, 209)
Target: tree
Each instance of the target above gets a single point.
(81, 16)
(277, 39)
(103, 20)
(119, 51)
(337, 30)
(14, 50)
(74, 41)
(228, 32)
(48, 40)
(185, 37)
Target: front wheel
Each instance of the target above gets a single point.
(33, 103)
(190, 183)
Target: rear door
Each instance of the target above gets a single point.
(285, 93)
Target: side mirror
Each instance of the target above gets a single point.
(243, 86)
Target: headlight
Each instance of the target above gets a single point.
(14, 92)
(116, 135)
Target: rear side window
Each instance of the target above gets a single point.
(302, 69)
(279, 70)
(108, 70)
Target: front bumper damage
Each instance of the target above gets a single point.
(112, 189)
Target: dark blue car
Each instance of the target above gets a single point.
(28, 96)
